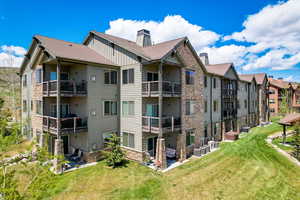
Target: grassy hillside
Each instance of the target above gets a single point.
(246, 169)
(10, 89)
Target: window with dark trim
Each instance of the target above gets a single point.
(128, 139)
(25, 80)
(38, 76)
(215, 105)
(24, 106)
(110, 108)
(190, 137)
(128, 76)
(214, 82)
(205, 81)
(205, 106)
(189, 77)
(39, 107)
(111, 77)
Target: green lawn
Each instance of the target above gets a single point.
(14, 149)
(246, 169)
(278, 142)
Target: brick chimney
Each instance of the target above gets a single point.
(204, 58)
(143, 38)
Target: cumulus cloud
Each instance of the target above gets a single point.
(171, 27)
(11, 56)
(275, 32)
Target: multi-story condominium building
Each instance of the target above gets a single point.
(160, 99)
(295, 102)
(263, 94)
(278, 88)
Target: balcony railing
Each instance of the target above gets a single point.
(168, 124)
(151, 88)
(67, 125)
(67, 88)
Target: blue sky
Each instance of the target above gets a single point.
(210, 25)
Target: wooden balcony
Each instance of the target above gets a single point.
(169, 124)
(67, 88)
(68, 125)
(169, 89)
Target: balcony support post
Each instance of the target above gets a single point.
(58, 99)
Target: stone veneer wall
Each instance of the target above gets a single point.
(132, 154)
(192, 92)
(37, 94)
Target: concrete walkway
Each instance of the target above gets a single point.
(278, 134)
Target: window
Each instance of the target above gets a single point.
(205, 81)
(24, 106)
(128, 76)
(38, 76)
(205, 131)
(238, 104)
(214, 82)
(190, 107)
(215, 105)
(64, 110)
(152, 76)
(63, 76)
(39, 107)
(272, 91)
(245, 103)
(271, 101)
(128, 139)
(31, 105)
(110, 108)
(205, 106)
(215, 128)
(190, 137)
(25, 80)
(189, 77)
(128, 108)
(110, 77)
(92, 77)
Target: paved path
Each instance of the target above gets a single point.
(291, 158)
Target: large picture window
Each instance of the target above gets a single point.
(128, 139)
(128, 76)
(110, 108)
(128, 108)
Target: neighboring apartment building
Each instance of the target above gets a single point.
(277, 89)
(295, 97)
(153, 96)
(263, 94)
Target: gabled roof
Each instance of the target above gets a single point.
(279, 83)
(73, 51)
(260, 77)
(246, 77)
(218, 69)
(154, 52)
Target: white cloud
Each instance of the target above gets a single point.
(171, 27)
(275, 32)
(227, 53)
(15, 50)
(11, 56)
(289, 78)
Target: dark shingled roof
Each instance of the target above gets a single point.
(73, 51)
(153, 52)
(218, 69)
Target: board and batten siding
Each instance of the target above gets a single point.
(128, 92)
(133, 92)
(97, 93)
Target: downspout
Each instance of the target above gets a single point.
(211, 105)
(222, 109)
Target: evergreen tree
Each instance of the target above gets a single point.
(115, 155)
(296, 142)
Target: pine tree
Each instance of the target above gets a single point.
(115, 155)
